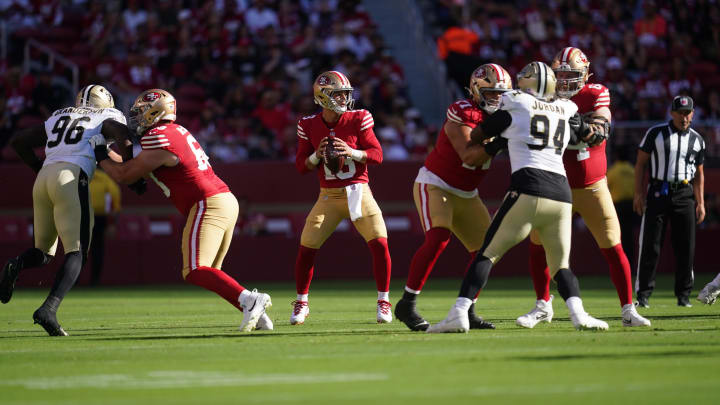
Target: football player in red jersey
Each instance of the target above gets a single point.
(586, 166)
(445, 189)
(174, 160)
(343, 194)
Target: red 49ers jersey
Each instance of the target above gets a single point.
(192, 179)
(587, 166)
(356, 129)
(444, 161)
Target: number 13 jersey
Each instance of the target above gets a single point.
(68, 131)
(192, 179)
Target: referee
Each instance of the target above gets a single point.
(675, 195)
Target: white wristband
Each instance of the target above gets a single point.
(357, 155)
(314, 159)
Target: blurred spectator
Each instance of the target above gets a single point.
(105, 198)
(621, 182)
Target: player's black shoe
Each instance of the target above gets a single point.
(48, 320)
(9, 275)
(477, 322)
(405, 311)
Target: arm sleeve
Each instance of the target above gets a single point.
(496, 123)
(700, 159)
(646, 144)
(304, 149)
(367, 140)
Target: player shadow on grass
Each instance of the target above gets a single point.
(268, 334)
(611, 356)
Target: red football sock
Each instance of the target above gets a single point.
(381, 263)
(619, 272)
(304, 266)
(539, 272)
(472, 259)
(436, 240)
(218, 282)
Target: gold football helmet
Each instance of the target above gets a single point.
(572, 69)
(329, 89)
(538, 79)
(95, 96)
(151, 107)
(487, 83)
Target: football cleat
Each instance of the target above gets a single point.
(456, 322)
(586, 322)
(630, 317)
(384, 311)
(254, 305)
(543, 312)
(405, 311)
(476, 322)
(9, 277)
(684, 302)
(264, 323)
(642, 302)
(48, 320)
(707, 295)
(301, 310)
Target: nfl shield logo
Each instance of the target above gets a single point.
(683, 102)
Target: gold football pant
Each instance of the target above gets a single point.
(208, 232)
(331, 207)
(595, 206)
(521, 213)
(467, 218)
(61, 207)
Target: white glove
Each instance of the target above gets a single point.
(98, 140)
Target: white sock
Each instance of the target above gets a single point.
(411, 291)
(302, 297)
(463, 303)
(716, 281)
(245, 294)
(384, 296)
(575, 306)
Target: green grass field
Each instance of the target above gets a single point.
(180, 345)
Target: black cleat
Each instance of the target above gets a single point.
(476, 322)
(684, 302)
(642, 302)
(9, 276)
(48, 320)
(405, 311)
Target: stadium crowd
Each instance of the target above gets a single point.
(241, 69)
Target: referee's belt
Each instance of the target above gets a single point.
(671, 185)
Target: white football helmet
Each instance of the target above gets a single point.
(95, 96)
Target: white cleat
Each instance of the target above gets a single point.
(543, 312)
(264, 323)
(254, 306)
(586, 322)
(708, 294)
(384, 312)
(457, 321)
(301, 310)
(630, 317)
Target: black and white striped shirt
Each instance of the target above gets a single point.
(674, 155)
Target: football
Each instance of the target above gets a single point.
(332, 160)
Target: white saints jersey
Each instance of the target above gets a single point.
(68, 132)
(539, 131)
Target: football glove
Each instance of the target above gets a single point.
(139, 187)
(496, 145)
(599, 129)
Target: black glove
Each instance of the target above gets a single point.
(496, 145)
(139, 187)
(579, 129)
(101, 153)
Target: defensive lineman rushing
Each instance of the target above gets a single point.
(61, 202)
(445, 190)
(536, 127)
(586, 166)
(344, 194)
(174, 160)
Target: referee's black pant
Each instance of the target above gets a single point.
(676, 206)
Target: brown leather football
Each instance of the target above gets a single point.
(332, 160)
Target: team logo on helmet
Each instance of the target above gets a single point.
(151, 96)
(323, 80)
(480, 74)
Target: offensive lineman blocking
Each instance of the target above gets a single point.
(174, 160)
(539, 197)
(586, 166)
(445, 190)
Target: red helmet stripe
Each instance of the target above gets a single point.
(566, 53)
(498, 72)
(343, 80)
